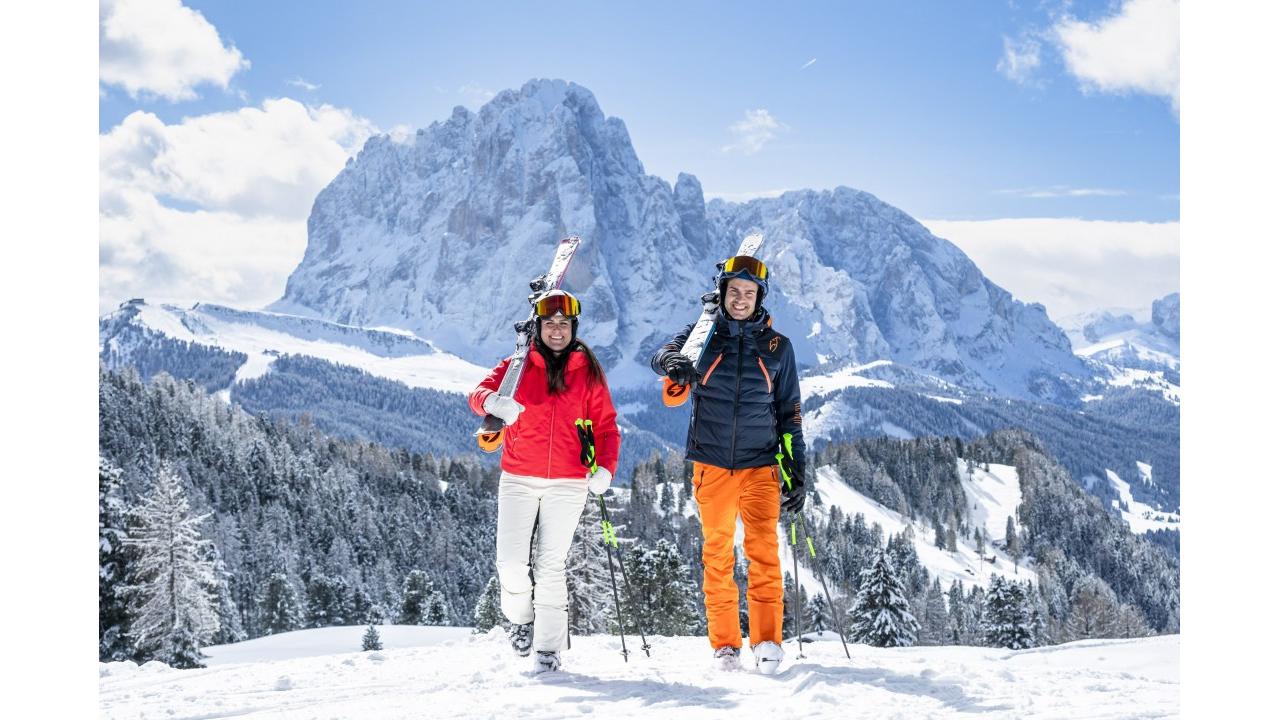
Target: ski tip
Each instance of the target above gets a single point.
(674, 395)
(489, 441)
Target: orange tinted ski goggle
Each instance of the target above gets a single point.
(565, 304)
(747, 264)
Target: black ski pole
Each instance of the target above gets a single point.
(610, 538)
(795, 589)
(816, 568)
(626, 586)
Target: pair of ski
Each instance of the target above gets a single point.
(489, 436)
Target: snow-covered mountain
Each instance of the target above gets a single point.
(439, 232)
(1132, 347)
(1147, 339)
(263, 337)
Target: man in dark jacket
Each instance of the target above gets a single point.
(746, 399)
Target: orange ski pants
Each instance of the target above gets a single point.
(723, 496)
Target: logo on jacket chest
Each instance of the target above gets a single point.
(773, 343)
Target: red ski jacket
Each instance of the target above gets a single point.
(543, 442)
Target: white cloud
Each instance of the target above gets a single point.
(214, 207)
(812, 61)
(1062, 191)
(1071, 265)
(161, 48)
(753, 132)
(1020, 61)
(308, 86)
(1134, 50)
(476, 94)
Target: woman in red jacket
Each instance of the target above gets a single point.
(543, 481)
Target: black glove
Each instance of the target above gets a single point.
(678, 367)
(793, 498)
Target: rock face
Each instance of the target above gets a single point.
(439, 233)
(1166, 315)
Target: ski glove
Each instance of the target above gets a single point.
(792, 499)
(503, 408)
(678, 367)
(598, 480)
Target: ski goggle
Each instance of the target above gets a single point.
(562, 303)
(745, 263)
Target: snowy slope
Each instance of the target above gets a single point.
(1140, 516)
(442, 675)
(264, 336)
(990, 501)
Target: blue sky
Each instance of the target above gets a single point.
(952, 111)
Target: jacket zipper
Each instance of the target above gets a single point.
(733, 433)
(551, 433)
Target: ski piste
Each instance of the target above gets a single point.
(489, 436)
(674, 395)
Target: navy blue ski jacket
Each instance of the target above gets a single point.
(746, 396)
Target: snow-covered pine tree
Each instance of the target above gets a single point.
(488, 611)
(818, 614)
(1006, 620)
(437, 609)
(1011, 543)
(328, 601)
(788, 603)
(1131, 623)
(934, 622)
(171, 599)
(372, 640)
(881, 615)
(113, 608)
(661, 597)
(416, 597)
(587, 577)
(281, 610)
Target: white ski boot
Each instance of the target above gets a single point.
(768, 657)
(546, 661)
(726, 658)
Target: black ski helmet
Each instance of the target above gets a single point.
(743, 267)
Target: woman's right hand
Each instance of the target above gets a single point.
(504, 408)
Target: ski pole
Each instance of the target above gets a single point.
(817, 565)
(795, 558)
(587, 436)
(610, 538)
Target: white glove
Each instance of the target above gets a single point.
(504, 408)
(598, 481)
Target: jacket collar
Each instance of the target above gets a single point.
(733, 328)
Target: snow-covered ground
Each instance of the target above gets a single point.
(447, 673)
(843, 378)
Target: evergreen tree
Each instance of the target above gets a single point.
(1131, 623)
(818, 615)
(437, 610)
(328, 601)
(281, 609)
(416, 595)
(939, 535)
(113, 608)
(1007, 622)
(488, 611)
(173, 588)
(881, 615)
(980, 541)
(662, 594)
(934, 621)
(1011, 543)
(587, 579)
(372, 640)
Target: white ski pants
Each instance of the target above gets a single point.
(556, 504)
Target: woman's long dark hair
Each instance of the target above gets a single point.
(556, 365)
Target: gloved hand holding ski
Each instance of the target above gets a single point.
(679, 368)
